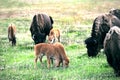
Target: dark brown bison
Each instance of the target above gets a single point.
(11, 34)
(40, 27)
(115, 12)
(112, 48)
(101, 26)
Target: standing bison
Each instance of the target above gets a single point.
(11, 34)
(101, 26)
(40, 27)
(112, 48)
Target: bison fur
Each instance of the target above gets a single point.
(101, 26)
(112, 48)
(40, 27)
(12, 34)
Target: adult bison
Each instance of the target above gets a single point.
(112, 48)
(101, 26)
(40, 27)
(12, 34)
(115, 12)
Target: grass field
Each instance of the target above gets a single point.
(74, 18)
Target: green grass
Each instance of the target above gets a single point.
(74, 18)
(11, 4)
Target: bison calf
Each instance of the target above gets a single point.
(54, 52)
(54, 36)
(11, 34)
(112, 48)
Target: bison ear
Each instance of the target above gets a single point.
(51, 20)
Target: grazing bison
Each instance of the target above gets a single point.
(40, 27)
(54, 36)
(112, 48)
(101, 26)
(115, 12)
(11, 34)
(54, 52)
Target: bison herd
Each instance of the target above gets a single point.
(105, 34)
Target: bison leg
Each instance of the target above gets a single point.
(116, 67)
(58, 39)
(57, 62)
(51, 60)
(35, 66)
(110, 60)
(13, 42)
(40, 58)
(48, 62)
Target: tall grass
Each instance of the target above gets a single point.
(74, 18)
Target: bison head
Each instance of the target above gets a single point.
(91, 45)
(39, 37)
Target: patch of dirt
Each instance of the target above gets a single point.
(14, 14)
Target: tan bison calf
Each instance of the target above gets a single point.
(11, 34)
(53, 52)
(112, 48)
(54, 36)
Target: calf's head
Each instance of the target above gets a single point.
(66, 63)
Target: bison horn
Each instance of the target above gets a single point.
(33, 37)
